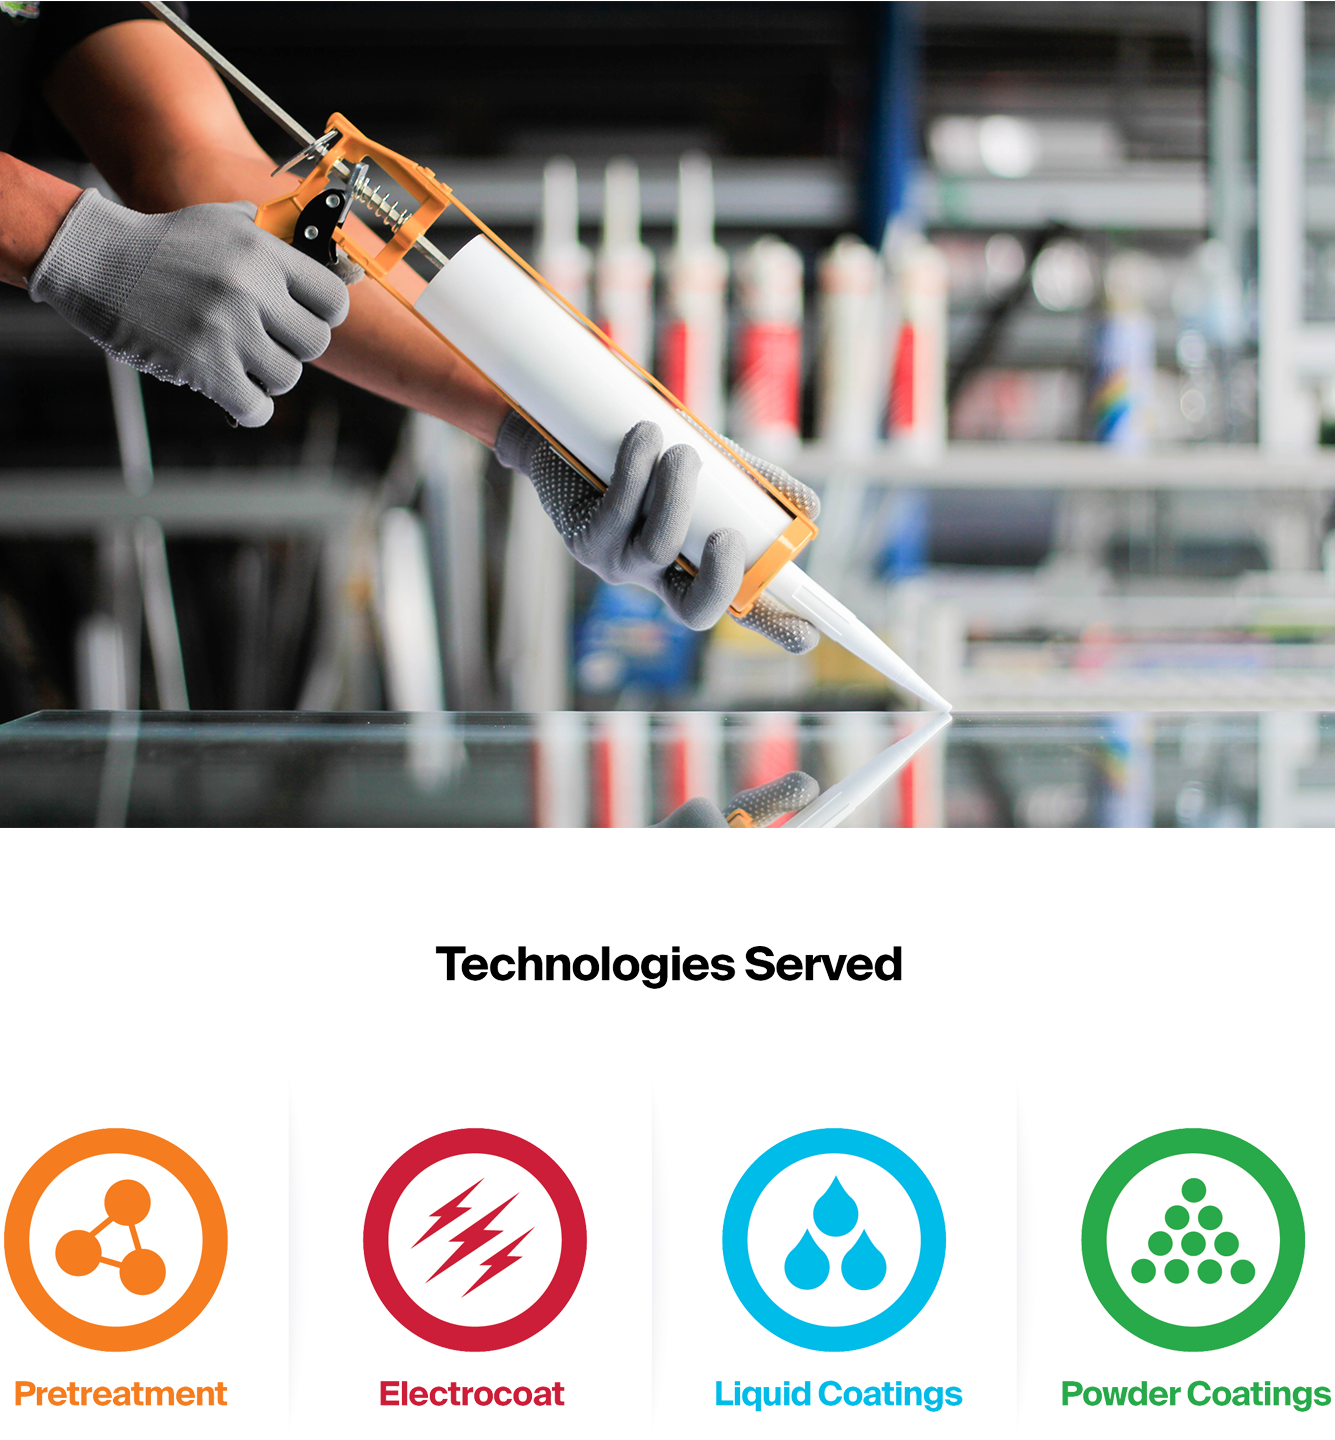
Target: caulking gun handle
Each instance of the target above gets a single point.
(314, 232)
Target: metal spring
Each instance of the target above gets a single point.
(382, 206)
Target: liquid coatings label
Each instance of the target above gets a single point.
(840, 1244)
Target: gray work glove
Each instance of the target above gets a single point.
(632, 532)
(763, 805)
(200, 297)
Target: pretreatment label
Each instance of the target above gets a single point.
(1196, 1239)
(130, 1236)
(838, 1243)
(212, 1393)
(477, 1249)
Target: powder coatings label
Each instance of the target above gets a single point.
(838, 1242)
(1196, 1236)
(477, 1250)
(130, 1236)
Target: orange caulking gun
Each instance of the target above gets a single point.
(549, 361)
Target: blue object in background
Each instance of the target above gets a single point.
(1124, 380)
(627, 640)
(908, 536)
(892, 132)
(1127, 766)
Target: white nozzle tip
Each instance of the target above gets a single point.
(793, 588)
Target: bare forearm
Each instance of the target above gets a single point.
(32, 206)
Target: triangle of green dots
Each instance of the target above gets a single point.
(1193, 1243)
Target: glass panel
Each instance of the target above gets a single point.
(631, 768)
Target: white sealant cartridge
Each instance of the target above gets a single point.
(586, 398)
(561, 258)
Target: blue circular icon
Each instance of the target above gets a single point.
(737, 1253)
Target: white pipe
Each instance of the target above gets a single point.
(850, 374)
(697, 282)
(561, 260)
(625, 266)
(918, 277)
(1280, 93)
(407, 615)
(150, 544)
(767, 381)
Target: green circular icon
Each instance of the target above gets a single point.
(1193, 1306)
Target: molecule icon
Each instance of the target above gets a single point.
(79, 1252)
(1193, 1242)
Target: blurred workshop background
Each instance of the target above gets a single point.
(1040, 297)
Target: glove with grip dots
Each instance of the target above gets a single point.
(762, 805)
(200, 297)
(633, 532)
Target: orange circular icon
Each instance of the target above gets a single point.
(77, 1252)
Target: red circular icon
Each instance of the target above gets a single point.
(548, 1305)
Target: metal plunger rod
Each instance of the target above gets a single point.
(276, 113)
(232, 75)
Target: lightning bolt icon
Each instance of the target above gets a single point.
(473, 1237)
(448, 1213)
(501, 1260)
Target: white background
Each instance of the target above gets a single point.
(1118, 926)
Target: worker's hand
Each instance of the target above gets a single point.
(632, 532)
(200, 297)
(761, 806)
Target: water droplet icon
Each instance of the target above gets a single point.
(864, 1265)
(807, 1265)
(836, 1211)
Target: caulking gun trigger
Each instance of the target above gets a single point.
(314, 232)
